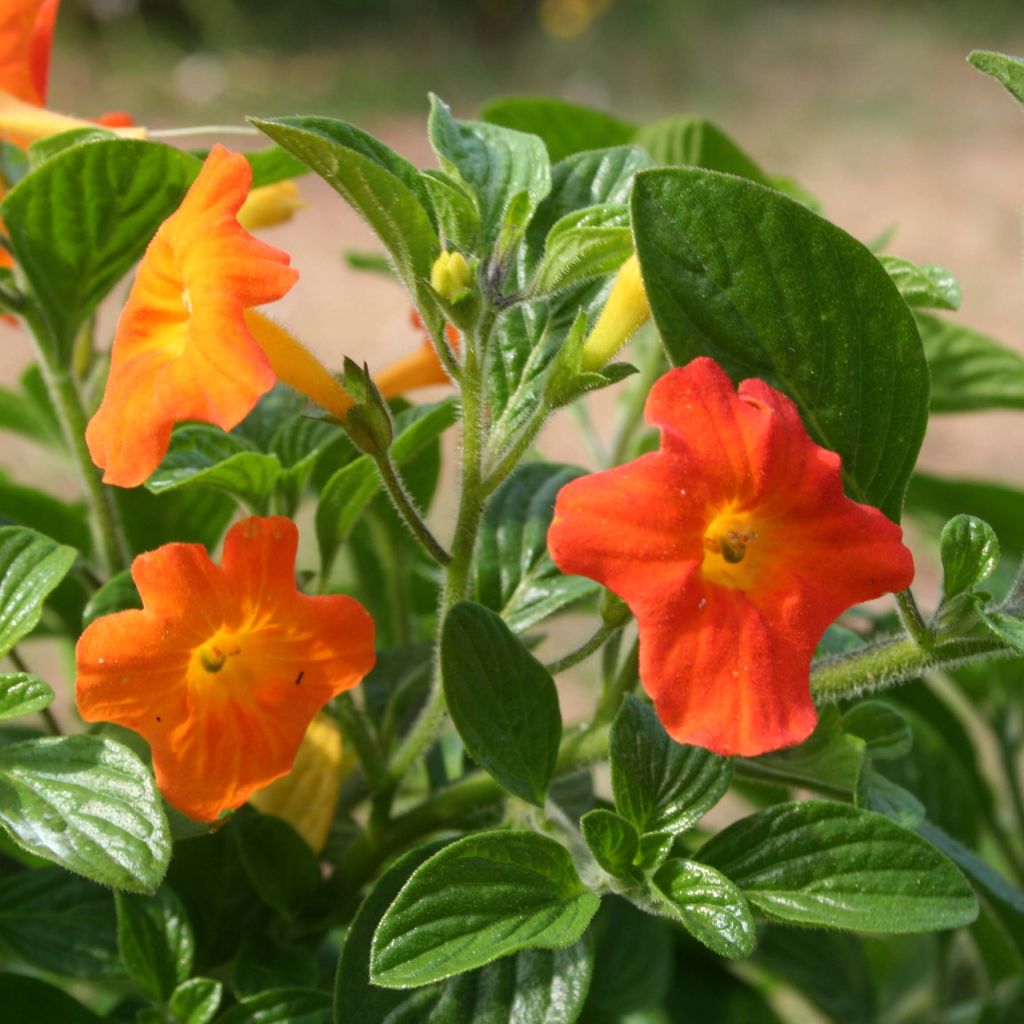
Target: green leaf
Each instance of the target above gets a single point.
(696, 142)
(496, 163)
(27, 411)
(88, 804)
(22, 694)
(661, 785)
(925, 286)
(43, 149)
(1007, 70)
(582, 245)
(515, 575)
(118, 594)
(970, 371)
(31, 566)
(196, 1001)
(79, 222)
(728, 266)
(203, 456)
(483, 897)
(156, 942)
(377, 183)
(879, 793)
(612, 840)
(282, 1006)
(711, 908)
(351, 488)
(58, 520)
(274, 164)
(59, 923)
(970, 554)
(29, 999)
(502, 700)
(565, 127)
(282, 868)
(263, 963)
(455, 209)
(835, 866)
(884, 729)
(188, 515)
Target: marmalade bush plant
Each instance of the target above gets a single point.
(344, 791)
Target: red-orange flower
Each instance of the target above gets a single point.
(26, 36)
(224, 667)
(183, 348)
(735, 548)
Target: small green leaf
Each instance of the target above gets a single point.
(969, 371)
(835, 866)
(22, 694)
(881, 794)
(582, 245)
(924, 286)
(88, 804)
(78, 222)
(711, 908)
(350, 489)
(455, 208)
(196, 1001)
(612, 840)
(970, 554)
(118, 594)
(203, 456)
(59, 923)
(496, 163)
(156, 942)
(502, 700)
(1008, 627)
(1007, 70)
(565, 127)
(282, 1006)
(515, 575)
(727, 266)
(655, 848)
(279, 863)
(883, 728)
(696, 142)
(29, 999)
(661, 785)
(31, 566)
(483, 897)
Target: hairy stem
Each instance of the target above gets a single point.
(406, 508)
(912, 619)
(604, 633)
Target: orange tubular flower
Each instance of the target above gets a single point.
(224, 668)
(421, 369)
(183, 349)
(735, 548)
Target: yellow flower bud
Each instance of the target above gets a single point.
(269, 205)
(624, 313)
(450, 275)
(296, 366)
(307, 795)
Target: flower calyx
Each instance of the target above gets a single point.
(368, 424)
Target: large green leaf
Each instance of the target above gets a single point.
(497, 164)
(502, 700)
(375, 182)
(696, 142)
(969, 371)
(836, 866)
(59, 923)
(156, 942)
(565, 128)
(31, 566)
(351, 488)
(78, 222)
(21, 694)
(88, 804)
(661, 785)
(483, 897)
(1007, 70)
(279, 863)
(515, 575)
(740, 273)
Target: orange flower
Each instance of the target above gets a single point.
(421, 369)
(26, 36)
(224, 668)
(735, 548)
(183, 349)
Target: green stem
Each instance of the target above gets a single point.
(406, 508)
(633, 410)
(353, 728)
(52, 725)
(621, 684)
(585, 650)
(912, 619)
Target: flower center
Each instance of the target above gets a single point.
(728, 543)
(213, 655)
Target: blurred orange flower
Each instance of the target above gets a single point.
(420, 369)
(223, 668)
(183, 348)
(735, 548)
(26, 36)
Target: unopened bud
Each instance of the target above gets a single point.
(269, 205)
(614, 611)
(450, 275)
(624, 313)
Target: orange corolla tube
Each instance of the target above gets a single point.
(735, 548)
(224, 667)
(184, 349)
(419, 369)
